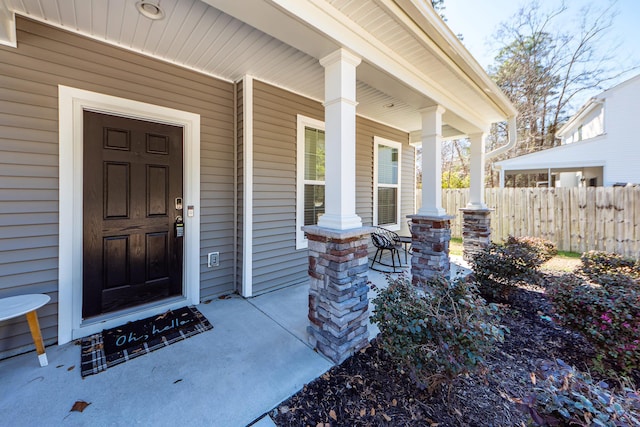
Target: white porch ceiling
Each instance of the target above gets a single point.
(196, 35)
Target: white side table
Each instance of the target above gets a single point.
(27, 304)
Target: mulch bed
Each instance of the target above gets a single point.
(366, 390)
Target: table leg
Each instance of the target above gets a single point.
(34, 326)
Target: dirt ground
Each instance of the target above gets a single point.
(367, 390)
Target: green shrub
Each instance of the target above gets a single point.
(543, 248)
(498, 268)
(609, 269)
(608, 315)
(437, 332)
(564, 396)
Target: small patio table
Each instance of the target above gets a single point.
(405, 240)
(27, 304)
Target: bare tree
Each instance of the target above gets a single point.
(455, 163)
(543, 68)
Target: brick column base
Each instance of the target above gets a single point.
(430, 237)
(476, 231)
(338, 301)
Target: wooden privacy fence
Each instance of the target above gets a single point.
(576, 219)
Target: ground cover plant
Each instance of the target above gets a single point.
(602, 302)
(541, 372)
(500, 267)
(437, 331)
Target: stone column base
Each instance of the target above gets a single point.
(430, 237)
(476, 231)
(338, 301)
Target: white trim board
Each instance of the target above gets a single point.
(71, 103)
(247, 188)
(397, 145)
(302, 122)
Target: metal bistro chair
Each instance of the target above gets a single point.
(385, 240)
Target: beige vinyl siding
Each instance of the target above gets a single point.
(45, 58)
(365, 131)
(276, 262)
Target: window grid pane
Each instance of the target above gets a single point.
(387, 165)
(387, 205)
(313, 203)
(314, 154)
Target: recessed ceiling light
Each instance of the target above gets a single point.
(150, 10)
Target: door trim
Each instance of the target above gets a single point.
(71, 104)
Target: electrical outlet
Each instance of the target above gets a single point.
(213, 259)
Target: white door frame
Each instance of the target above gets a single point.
(71, 103)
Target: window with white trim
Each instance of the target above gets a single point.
(310, 181)
(386, 182)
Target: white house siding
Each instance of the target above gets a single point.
(276, 262)
(616, 151)
(45, 58)
(591, 126)
(622, 148)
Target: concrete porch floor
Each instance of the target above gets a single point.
(255, 357)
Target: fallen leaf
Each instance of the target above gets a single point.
(79, 406)
(364, 349)
(386, 417)
(207, 302)
(326, 376)
(333, 415)
(363, 412)
(533, 378)
(59, 366)
(71, 368)
(373, 412)
(394, 402)
(177, 381)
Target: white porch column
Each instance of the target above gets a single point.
(432, 162)
(476, 191)
(340, 141)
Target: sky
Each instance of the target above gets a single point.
(477, 21)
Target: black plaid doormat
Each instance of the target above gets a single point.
(117, 345)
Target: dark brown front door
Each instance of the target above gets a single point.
(132, 178)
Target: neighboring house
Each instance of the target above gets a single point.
(151, 163)
(599, 144)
